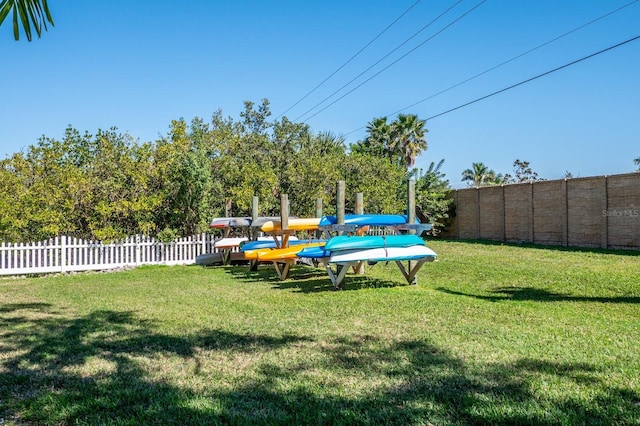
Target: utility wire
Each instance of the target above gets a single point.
(505, 62)
(350, 59)
(514, 58)
(379, 60)
(534, 78)
(394, 62)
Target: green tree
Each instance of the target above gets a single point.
(381, 182)
(15, 176)
(377, 141)
(432, 190)
(109, 185)
(637, 163)
(401, 141)
(480, 175)
(185, 179)
(408, 138)
(314, 171)
(285, 145)
(35, 193)
(522, 173)
(26, 13)
(244, 161)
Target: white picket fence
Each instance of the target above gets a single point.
(67, 254)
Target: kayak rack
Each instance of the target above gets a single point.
(409, 271)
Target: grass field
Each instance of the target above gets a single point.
(492, 334)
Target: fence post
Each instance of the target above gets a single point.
(340, 188)
(284, 212)
(136, 241)
(63, 252)
(411, 216)
(411, 201)
(360, 210)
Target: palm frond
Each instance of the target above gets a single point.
(26, 14)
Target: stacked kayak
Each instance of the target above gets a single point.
(350, 251)
(360, 220)
(225, 251)
(284, 246)
(256, 250)
(371, 248)
(294, 224)
(229, 222)
(229, 242)
(266, 242)
(286, 253)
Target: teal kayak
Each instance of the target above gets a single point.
(372, 241)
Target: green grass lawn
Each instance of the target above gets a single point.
(492, 334)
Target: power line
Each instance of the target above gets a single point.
(350, 59)
(534, 78)
(396, 61)
(514, 58)
(379, 60)
(505, 62)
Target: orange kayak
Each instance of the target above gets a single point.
(286, 253)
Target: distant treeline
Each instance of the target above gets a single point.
(108, 185)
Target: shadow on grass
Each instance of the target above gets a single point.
(264, 273)
(321, 284)
(306, 279)
(44, 379)
(539, 295)
(622, 252)
(24, 307)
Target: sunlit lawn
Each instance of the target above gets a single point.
(492, 333)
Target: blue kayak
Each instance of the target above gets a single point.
(262, 244)
(372, 241)
(366, 220)
(317, 252)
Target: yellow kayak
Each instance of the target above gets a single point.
(286, 253)
(253, 254)
(310, 224)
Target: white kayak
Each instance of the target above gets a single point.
(417, 252)
(229, 242)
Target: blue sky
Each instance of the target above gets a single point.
(137, 65)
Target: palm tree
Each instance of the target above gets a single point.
(379, 139)
(26, 13)
(409, 138)
(401, 141)
(637, 162)
(481, 175)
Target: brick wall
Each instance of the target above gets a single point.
(599, 211)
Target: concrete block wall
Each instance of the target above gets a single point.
(622, 212)
(518, 212)
(601, 211)
(491, 211)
